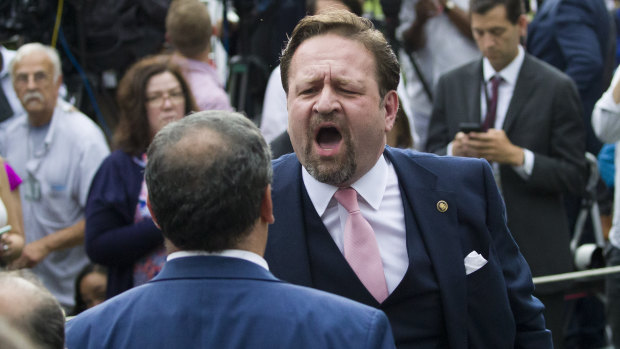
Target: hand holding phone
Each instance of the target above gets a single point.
(467, 127)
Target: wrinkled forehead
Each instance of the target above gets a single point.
(34, 62)
(332, 55)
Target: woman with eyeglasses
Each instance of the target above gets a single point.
(120, 233)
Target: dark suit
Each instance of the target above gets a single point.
(544, 117)
(575, 37)
(435, 305)
(223, 302)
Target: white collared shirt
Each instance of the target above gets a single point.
(380, 203)
(509, 74)
(233, 253)
(62, 170)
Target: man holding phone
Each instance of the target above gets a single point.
(530, 130)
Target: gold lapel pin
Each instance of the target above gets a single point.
(442, 206)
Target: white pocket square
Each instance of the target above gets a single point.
(473, 262)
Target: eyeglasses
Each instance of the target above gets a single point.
(38, 77)
(157, 100)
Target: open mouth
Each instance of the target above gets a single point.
(328, 138)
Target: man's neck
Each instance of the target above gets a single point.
(202, 56)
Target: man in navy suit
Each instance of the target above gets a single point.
(576, 36)
(450, 274)
(208, 177)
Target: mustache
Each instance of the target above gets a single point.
(33, 95)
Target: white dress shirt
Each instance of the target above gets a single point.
(380, 203)
(233, 253)
(509, 75)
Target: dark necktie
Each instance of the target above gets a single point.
(489, 121)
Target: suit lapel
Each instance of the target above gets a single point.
(439, 233)
(523, 91)
(287, 249)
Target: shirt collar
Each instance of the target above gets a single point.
(241, 254)
(510, 72)
(371, 187)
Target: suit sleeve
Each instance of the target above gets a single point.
(527, 310)
(438, 132)
(562, 167)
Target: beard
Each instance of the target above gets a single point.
(335, 170)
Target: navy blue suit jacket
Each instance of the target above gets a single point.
(491, 305)
(574, 36)
(223, 302)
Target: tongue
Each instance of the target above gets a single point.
(328, 138)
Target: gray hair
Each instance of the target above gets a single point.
(206, 177)
(27, 49)
(12, 338)
(44, 321)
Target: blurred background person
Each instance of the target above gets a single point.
(90, 287)
(10, 105)
(56, 150)
(436, 37)
(12, 241)
(120, 233)
(575, 36)
(606, 126)
(189, 30)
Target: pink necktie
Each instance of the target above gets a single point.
(489, 121)
(360, 246)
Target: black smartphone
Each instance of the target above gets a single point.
(467, 127)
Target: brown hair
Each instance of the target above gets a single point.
(350, 26)
(188, 26)
(132, 135)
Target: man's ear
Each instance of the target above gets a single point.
(266, 207)
(148, 204)
(390, 103)
(522, 24)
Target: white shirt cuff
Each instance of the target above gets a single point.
(525, 170)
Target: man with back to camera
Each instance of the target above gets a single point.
(56, 150)
(208, 178)
(532, 134)
(426, 238)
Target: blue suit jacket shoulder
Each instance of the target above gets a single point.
(222, 302)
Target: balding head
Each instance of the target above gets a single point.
(28, 306)
(207, 176)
